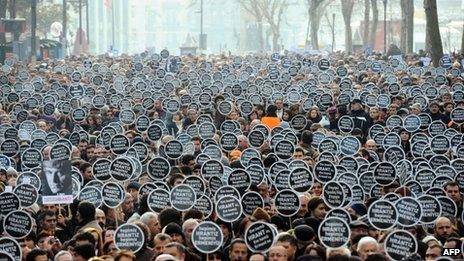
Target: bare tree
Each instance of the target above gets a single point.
(462, 40)
(407, 26)
(347, 10)
(367, 10)
(375, 21)
(273, 11)
(314, 21)
(253, 8)
(2, 35)
(432, 32)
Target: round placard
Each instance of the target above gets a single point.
(334, 232)
(130, 237)
(207, 237)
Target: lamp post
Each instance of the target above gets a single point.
(384, 26)
(333, 31)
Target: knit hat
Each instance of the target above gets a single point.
(173, 228)
(313, 223)
(304, 233)
(261, 214)
(87, 251)
(359, 208)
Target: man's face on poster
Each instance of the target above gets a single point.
(55, 178)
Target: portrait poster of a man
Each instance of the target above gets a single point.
(56, 182)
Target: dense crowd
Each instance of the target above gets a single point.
(340, 157)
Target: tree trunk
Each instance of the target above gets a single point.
(315, 22)
(433, 38)
(367, 10)
(347, 10)
(275, 40)
(12, 9)
(2, 35)
(407, 26)
(375, 22)
(462, 40)
(260, 32)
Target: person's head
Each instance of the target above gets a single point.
(63, 256)
(453, 242)
(433, 252)
(37, 255)
(169, 215)
(176, 250)
(56, 181)
(238, 251)
(175, 231)
(453, 191)
(290, 244)
(85, 212)
(434, 107)
(159, 242)
(367, 246)
(85, 238)
(315, 251)
(317, 207)
(316, 189)
(48, 220)
(443, 227)
(303, 205)
(298, 154)
(125, 255)
(371, 145)
(83, 252)
(374, 113)
(342, 251)
(128, 205)
(278, 253)
(151, 220)
(258, 257)
(188, 227)
(100, 216)
(279, 104)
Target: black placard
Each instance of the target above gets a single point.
(431, 209)
(129, 237)
(228, 141)
(92, 195)
(251, 201)
(400, 244)
(324, 171)
(158, 199)
(287, 202)
(228, 208)
(122, 169)
(17, 224)
(334, 232)
(158, 168)
(333, 194)
(113, 194)
(207, 237)
(182, 197)
(101, 169)
(173, 149)
(259, 237)
(11, 246)
(382, 214)
(10, 202)
(27, 194)
(385, 173)
(409, 211)
(239, 179)
(300, 179)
